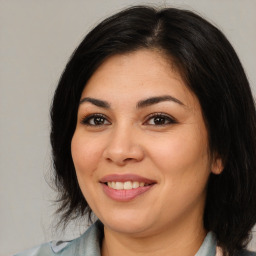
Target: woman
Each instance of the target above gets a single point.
(153, 129)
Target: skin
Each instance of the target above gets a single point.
(167, 219)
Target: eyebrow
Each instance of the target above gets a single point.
(155, 100)
(96, 102)
(141, 104)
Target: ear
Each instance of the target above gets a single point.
(217, 165)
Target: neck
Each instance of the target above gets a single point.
(178, 241)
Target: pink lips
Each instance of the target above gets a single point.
(125, 195)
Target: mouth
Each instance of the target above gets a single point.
(125, 187)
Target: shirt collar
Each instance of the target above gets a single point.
(89, 244)
(208, 247)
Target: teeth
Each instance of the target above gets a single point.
(135, 184)
(119, 185)
(125, 185)
(128, 185)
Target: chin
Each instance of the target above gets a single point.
(127, 224)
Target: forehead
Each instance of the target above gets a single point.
(141, 73)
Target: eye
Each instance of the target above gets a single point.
(160, 119)
(95, 120)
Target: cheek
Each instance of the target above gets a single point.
(86, 157)
(85, 154)
(180, 151)
(183, 159)
(184, 165)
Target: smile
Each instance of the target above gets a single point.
(126, 185)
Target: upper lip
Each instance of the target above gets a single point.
(126, 177)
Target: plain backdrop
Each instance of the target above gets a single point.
(36, 39)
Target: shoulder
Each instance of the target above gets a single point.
(246, 253)
(86, 244)
(43, 249)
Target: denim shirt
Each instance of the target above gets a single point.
(89, 244)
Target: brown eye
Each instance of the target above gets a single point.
(95, 120)
(160, 119)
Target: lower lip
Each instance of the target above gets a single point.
(123, 194)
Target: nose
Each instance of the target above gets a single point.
(123, 147)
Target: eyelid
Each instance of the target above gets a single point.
(86, 118)
(170, 119)
(161, 114)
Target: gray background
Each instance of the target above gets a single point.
(36, 40)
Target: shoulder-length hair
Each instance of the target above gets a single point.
(211, 70)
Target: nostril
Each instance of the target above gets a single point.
(128, 159)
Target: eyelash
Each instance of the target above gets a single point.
(166, 118)
(86, 120)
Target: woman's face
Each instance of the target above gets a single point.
(140, 147)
